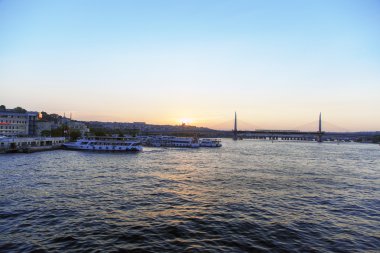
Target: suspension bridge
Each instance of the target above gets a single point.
(317, 130)
(278, 134)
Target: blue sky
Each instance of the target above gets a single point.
(278, 63)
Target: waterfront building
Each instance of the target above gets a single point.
(29, 144)
(18, 123)
(73, 125)
(78, 126)
(44, 126)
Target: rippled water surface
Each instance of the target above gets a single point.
(248, 196)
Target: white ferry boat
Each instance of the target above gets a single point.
(105, 144)
(211, 143)
(172, 141)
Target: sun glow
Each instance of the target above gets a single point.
(185, 121)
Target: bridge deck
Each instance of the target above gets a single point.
(271, 132)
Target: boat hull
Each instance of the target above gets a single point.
(170, 145)
(211, 145)
(103, 148)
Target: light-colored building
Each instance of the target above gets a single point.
(14, 123)
(44, 126)
(78, 126)
(29, 144)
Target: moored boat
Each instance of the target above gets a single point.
(105, 144)
(172, 141)
(211, 143)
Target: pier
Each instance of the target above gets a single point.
(29, 144)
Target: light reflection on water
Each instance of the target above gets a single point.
(245, 196)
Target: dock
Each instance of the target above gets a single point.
(29, 144)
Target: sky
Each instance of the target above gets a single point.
(278, 64)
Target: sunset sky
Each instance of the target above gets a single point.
(277, 63)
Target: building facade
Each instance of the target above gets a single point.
(14, 123)
(29, 144)
(78, 126)
(44, 126)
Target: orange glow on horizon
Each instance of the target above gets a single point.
(185, 121)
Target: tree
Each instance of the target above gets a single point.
(99, 133)
(50, 117)
(46, 133)
(2, 108)
(376, 139)
(19, 109)
(45, 116)
(133, 132)
(74, 135)
(57, 132)
(120, 134)
(60, 131)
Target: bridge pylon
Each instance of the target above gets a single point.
(235, 138)
(320, 133)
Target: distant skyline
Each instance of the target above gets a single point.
(276, 63)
